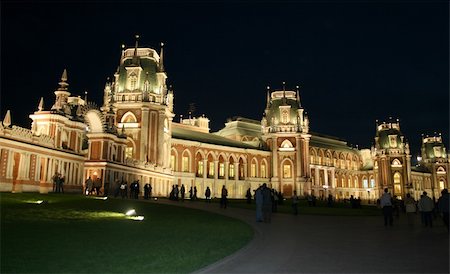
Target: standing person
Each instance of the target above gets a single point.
(89, 184)
(150, 191)
(427, 206)
(295, 202)
(195, 193)
(274, 198)
(386, 205)
(123, 189)
(330, 200)
(223, 197)
(248, 195)
(116, 188)
(443, 205)
(97, 186)
(208, 194)
(176, 193)
(137, 190)
(267, 204)
(61, 183)
(146, 187)
(259, 204)
(182, 192)
(410, 207)
(191, 195)
(55, 181)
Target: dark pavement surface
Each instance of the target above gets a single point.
(332, 244)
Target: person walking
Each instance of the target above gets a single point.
(267, 204)
(208, 194)
(259, 204)
(410, 207)
(248, 195)
(223, 197)
(444, 205)
(191, 195)
(89, 185)
(295, 203)
(182, 192)
(386, 205)
(146, 187)
(427, 205)
(195, 193)
(61, 183)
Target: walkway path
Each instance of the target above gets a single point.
(332, 244)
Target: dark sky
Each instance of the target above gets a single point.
(355, 62)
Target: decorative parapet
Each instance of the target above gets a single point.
(25, 135)
(146, 165)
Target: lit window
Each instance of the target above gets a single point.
(133, 81)
(365, 183)
(231, 170)
(172, 161)
(221, 169)
(200, 168)
(263, 170)
(185, 164)
(129, 152)
(211, 169)
(397, 183)
(253, 170)
(441, 184)
(287, 171)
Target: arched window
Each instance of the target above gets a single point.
(221, 167)
(200, 167)
(129, 150)
(396, 163)
(397, 183)
(287, 170)
(185, 162)
(210, 166)
(129, 117)
(263, 170)
(441, 184)
(231, 171)
(241, 169)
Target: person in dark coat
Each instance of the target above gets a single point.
(223, 197)
(146, 190)
(267, 204)
(248, 195)
(182, 192)
(208, 194)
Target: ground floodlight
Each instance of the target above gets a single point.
(39, 202)
(137, 218)
(156, 199)
(131, 212)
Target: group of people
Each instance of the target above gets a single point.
(176, 193)
(264, 200)
(93, 187)
(121, 187)
(426, 207)
(58, 182)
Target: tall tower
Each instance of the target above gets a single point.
(285, 128)
(392, 159)
(142, 106)
(435, 158)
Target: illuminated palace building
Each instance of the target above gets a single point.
(133, 136)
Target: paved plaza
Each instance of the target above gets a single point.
(333, 244)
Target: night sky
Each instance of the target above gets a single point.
(355, 62)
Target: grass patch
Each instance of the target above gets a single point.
(73, 233)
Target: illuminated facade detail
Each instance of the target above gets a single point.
(133, 136)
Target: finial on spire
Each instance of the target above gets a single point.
(63, 84)
(85, 96)
(7, 119)
(298, 96)
(268, 97)
(161, 59)
(41, 104)
(64, 76)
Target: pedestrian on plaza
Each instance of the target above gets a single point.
(223, 197)
(146, 188)
(176, 193)
(123, 189)
(422, 214)
(427, 205)
(116, 188)
(396, 207)
(248, 195)
(97, 186)
(280, 198)
(195, 193)
(309, 199)
(410, 207)
(386, 205)
(295, 203)
(89, 185)
(182, 192)
(61, 183)
(444, 205)
(55, 180)
(267, 204)
(208, 194)
(274, 197)
(150, 188)
(259, 204)
(137, 190)
(330, 200)
(191, 195)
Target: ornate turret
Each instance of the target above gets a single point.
(433, 149)
(62, 95)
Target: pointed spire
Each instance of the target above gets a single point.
(7, 119)
(135, 54)
(268, 97)
(63, 84)
(85, 96)
(284, 93)
(298, 96)
(161, 59)
(41, 104)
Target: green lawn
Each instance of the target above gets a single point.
(73, 233)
